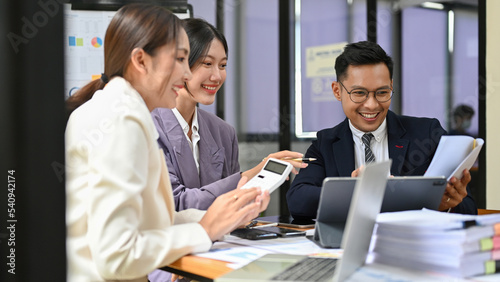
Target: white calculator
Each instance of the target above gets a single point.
(271, 176)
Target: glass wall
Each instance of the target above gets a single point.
(439, 62)
(321, 33)
(464, 83)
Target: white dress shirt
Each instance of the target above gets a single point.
(379, 144)
(120, 213)
(195, 135)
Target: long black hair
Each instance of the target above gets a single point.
(201, 34)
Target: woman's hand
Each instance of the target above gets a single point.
(281, 155)
(174, 277)
(234, 209)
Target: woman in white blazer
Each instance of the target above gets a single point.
(121, 218)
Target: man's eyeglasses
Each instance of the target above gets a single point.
(360, 95)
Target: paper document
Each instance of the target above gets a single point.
(236, 254)
(241, 251)
(293, 245)
(454, 154)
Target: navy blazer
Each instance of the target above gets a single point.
(219, 167)
(412, 143)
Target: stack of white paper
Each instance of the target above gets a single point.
(425, 240)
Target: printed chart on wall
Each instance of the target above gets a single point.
(316, 94)
(84, 45)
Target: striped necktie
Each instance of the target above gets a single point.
(369, 156)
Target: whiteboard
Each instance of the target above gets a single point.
(84, 32)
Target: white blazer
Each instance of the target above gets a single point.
(120, 214)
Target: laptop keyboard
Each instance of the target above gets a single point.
(309, 269)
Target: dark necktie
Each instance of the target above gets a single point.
(369, 156)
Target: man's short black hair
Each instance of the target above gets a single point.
(463, 111)
(361, 53)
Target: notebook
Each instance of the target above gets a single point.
(401, 193)
(364, 208)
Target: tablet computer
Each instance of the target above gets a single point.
(288, 221)
(401, 193)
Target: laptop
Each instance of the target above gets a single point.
(365, 206)
(401, 193)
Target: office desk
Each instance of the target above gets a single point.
(206, 270)
(198, 268)
(201, 269)
(485, 211)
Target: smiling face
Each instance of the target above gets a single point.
(209, 73)
(368, 115)
(167, 71)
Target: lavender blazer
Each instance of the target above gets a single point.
(219, 167)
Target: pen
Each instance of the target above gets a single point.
(474, 144)
(301, 159)
(251, 224)
(266, 225)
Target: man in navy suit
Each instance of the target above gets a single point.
(363, 69)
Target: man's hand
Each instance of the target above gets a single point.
(356, 172)
(456, 191)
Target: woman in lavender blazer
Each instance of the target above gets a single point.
(201, 149)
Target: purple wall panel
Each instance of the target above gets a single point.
(465, 64)
(261, 65)
(205, 9)
(323, 22)
(424, 41)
